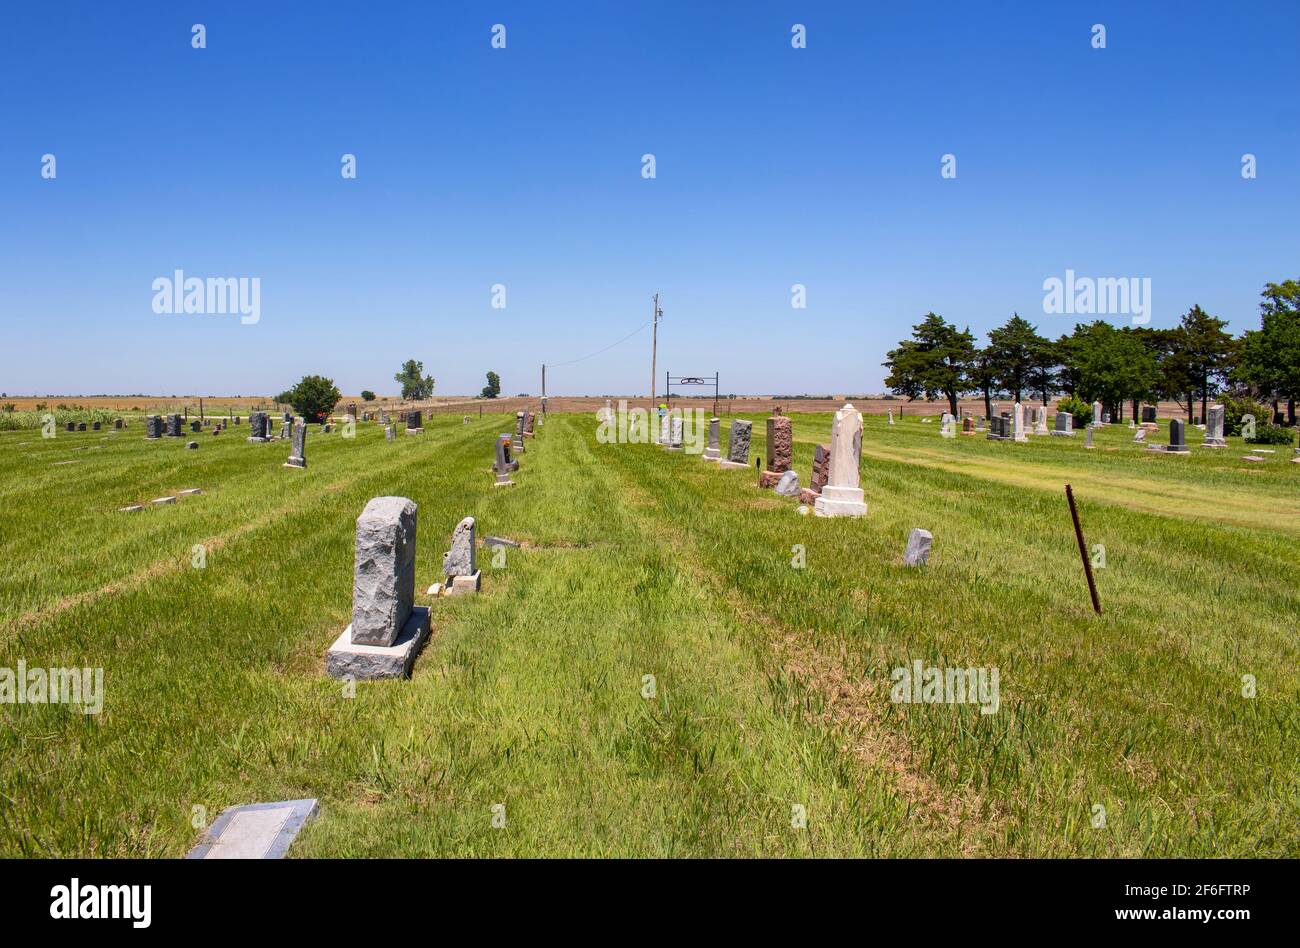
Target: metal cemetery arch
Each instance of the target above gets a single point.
(696, 380)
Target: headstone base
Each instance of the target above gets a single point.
(296, 462)
(503, 480)
(712, 454)
(840, 502)
(769, 479)
(257, 440)
(1214, 443)
(458, 585)
(1062, 434)
(370, 662)
(414, 430)
(722, 462)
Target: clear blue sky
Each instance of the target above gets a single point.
(522, 166)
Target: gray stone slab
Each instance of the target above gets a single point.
(383, 586)
(362, 662)
(738, 446)
(255, 831)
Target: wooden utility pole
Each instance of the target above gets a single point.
(654, 350)
(543, 388)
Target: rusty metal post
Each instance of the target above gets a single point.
(1083, 551)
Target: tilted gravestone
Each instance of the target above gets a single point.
(460, 563)
(841, 497)
(738, 445)
(387, 627)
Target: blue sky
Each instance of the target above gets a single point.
(522, 166)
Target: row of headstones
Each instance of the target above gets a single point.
(387, 628)
(118, 425)
(834, 490)
(508, 444)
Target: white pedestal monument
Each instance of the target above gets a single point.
(841, 497)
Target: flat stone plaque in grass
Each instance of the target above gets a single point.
(255, 831)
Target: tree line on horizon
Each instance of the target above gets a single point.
(1195, 361)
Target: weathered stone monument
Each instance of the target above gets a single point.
(504, 462)
(259, 427)
(517, 437)
(821, 471)
(1040, 420)
(387, 627)
(1064, 425)
(117, 424)
(947, 426)
(841, 497)
(713, 452)
(999, 428)
(1214, 429)
(1018, 424)
(918, 548)
(94, 426)
(459, 564)
(674, 430)
(738, 445)
(298, 456)
(1087, 436)
(153, 427)
(968, 425)
(1097, 413)
(414, 422)
(174, 426)
(1149, 414)
(196, 425)
(780, 450)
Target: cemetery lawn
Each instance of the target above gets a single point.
(772, 684)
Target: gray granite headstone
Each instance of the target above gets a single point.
(713, 450)
(383, 585)
(174, 426)
(1177, 435)
(738, 446)
(153, 427)
(1214, 428)
(298, 455)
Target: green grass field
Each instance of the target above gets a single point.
(772, 682)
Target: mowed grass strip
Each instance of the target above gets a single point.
(771, 683)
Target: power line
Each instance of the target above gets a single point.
(556, 365)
